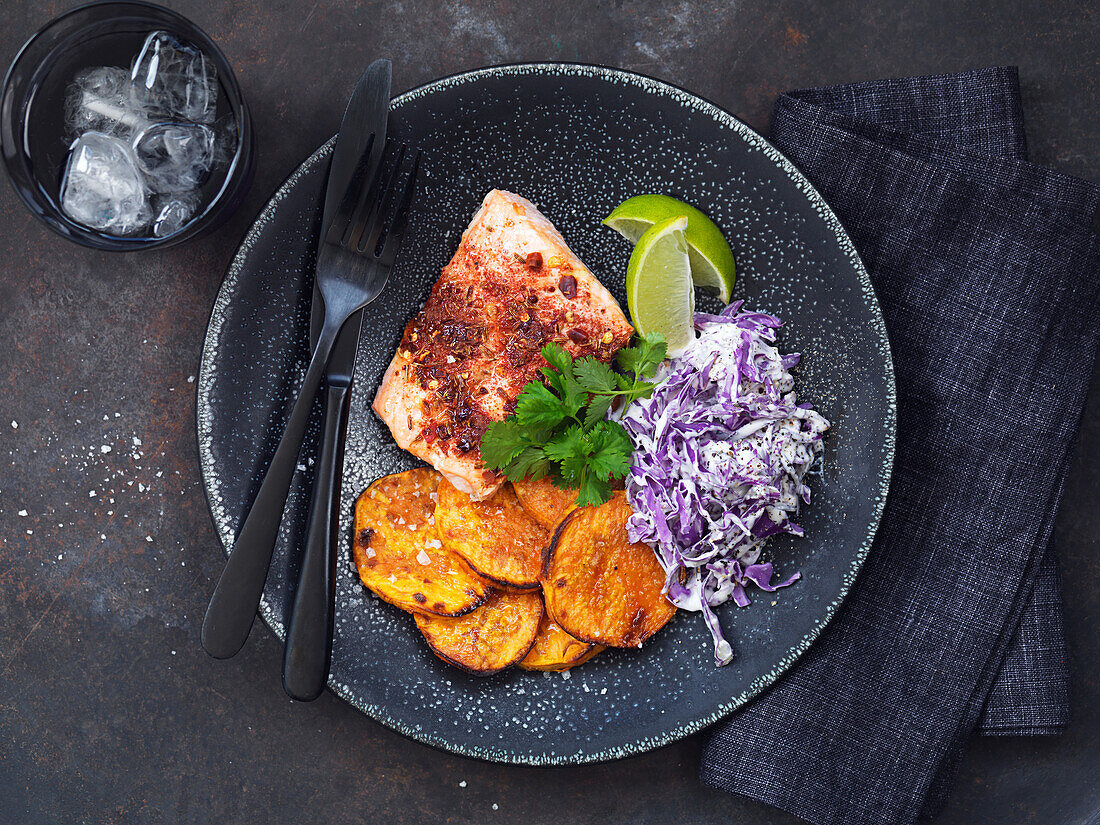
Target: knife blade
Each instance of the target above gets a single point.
(308, 648)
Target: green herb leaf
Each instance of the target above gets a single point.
(643, 358)
(532, 463)
(612, 450)
(537, 406)
(502, 442)
(592, 491)
(558, 358)
(594, 376)
(574, 395)
(567, 444)
(560, 427)
(597, 409)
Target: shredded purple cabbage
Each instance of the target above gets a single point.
(721, 449)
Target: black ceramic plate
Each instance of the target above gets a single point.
(576, 140)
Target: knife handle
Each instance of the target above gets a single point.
(309, 635)
(232, 607)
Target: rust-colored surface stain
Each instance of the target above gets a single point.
(792, 38)
(110, 713)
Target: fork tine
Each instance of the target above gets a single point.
(401, 218)
(344, 212)
(369, 199)
(382, 206)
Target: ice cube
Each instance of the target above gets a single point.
(174, 211)
(174, 78)
(102, 187)
(175, 157)
(101, 100)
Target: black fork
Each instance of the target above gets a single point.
(354, 262)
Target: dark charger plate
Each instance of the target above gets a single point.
(576, 140)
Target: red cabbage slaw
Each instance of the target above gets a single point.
(721, 450)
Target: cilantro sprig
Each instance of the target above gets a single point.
(560, 427)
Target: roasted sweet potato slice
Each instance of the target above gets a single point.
(545, 503)
(495, 636)
(598, 586)
(554, 649)
(496, 537)
(399, 554)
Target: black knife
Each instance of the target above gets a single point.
(309, 633)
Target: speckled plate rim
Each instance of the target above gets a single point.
(648, 85)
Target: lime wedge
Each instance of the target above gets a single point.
(659, 291)
(711, 258)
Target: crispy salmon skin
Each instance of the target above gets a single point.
(512, 286)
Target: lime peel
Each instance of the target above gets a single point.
(659, 289)
(712, 264)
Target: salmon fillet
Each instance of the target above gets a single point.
(512, 286)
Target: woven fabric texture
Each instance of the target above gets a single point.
(988, 275)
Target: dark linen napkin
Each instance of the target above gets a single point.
(988, 272)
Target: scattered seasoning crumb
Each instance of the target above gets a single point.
(603, 691)
(23, 513)
(148, 538)
(496, 806)
(106, 448)
(14, 424)
(190, 379)
(775, 603)
(137, 441)
(91, 494)
(565, 674)
(30, 532)
(462, 784)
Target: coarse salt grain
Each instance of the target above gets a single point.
(370, 553)
(106, 448)
(462, 784)
(23, 512)
(423, 558)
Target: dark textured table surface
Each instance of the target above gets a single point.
(109, 710)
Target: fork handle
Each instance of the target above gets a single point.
(308, 649)
(233, 606)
